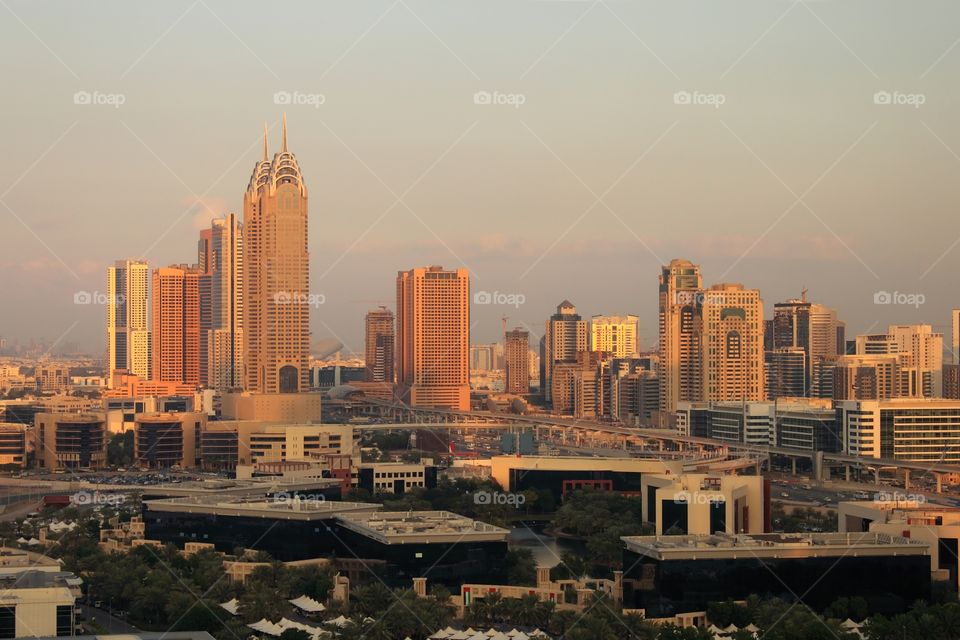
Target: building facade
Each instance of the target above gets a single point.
(433, 337)
(128, 333)
(616, 335)
(221, 349)
(380, 345)
(517, 356)
(681, 327)
(176, 325)
(276, 276)
(733, 366)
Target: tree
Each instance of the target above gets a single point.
(295, 634)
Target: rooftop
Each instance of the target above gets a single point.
(33, 579)
(281, 506)
(417, 527)
(222, 488)
(773, 545)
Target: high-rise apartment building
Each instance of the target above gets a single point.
(926, 352)
(616, 335)
(128, 334)
(433, 337)
(800, 324)
(681, 326)
(955, 333)
(176, 325)
(380, 345)
(564, 336)
(787, 373)
(733, 366)
(221, 303)
(276, 276)
(518, 361)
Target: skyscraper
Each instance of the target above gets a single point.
(380, 345)
(176, 324)
(926, 355)
(955, 332)
(733, 366)
(799, 324)
(276, 298)
(433, 337)
(517, 361)
(616, 335)
(564, 336)
(681, 324)
(128, 335)
(222, 345)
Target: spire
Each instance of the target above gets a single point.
(283, 147)
(264, 140)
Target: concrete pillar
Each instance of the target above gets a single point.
(543, 576)
(906, 479)
(939, 482)
(846, 472)
(793, 466)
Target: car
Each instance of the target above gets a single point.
(784, 495)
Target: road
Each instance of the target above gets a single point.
(110, 624)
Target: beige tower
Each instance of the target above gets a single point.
(223, 340)
(128, 336)
(176, 325)
(681, 324)
(616, 335)
(733, 366)
(517, 356)
(433, 337)
(564, 336)
(276, 297)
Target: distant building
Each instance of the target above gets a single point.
(517, 349)
(70, 441)
(128, 336)
(380, 345)
(433, 337)
(694, 503)
(564, 336)
(176, 325)
(733, 367)
(222, 336)
(164, 440)
(616, 335)
(671, 574)
(276, 275)
(13, 445)
(951, 381)
(681, 327)
(915, 430)
(787, 373)
(53, 377)
(813, 328)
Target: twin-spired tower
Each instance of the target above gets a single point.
(277, 297)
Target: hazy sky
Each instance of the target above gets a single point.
(784, 170)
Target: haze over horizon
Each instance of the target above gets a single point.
(576, 186)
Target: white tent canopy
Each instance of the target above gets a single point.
(231, 606)
(307, 604)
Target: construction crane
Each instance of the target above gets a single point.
(503, 324)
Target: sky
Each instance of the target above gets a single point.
(558, 149)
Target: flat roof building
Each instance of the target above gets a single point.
(666, 575)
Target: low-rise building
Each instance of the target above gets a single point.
(70, 441)
(38, 604)
(696, 503)
(937, 525)
(163, 440)
(13, 445)
(909, 429)
(667, 575)
(395, 477)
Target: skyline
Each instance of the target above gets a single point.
(501, 192)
